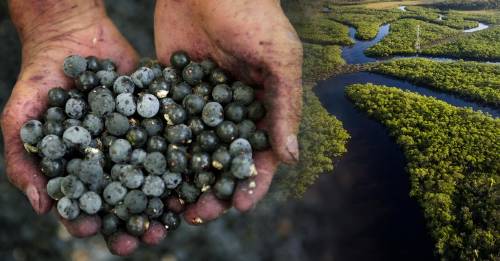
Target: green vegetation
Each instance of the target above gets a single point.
(432, 16)
(453, 163)
(490, 18)
(403, 34)
(466, 4)
(366, 21)
(321, 135)
(475, 81)
(481, 45)
(322, 30)
(321, 61)
(321, 138)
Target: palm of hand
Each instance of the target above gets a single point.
(258, 45)
(41, 70)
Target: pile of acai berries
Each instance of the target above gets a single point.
(121, 146)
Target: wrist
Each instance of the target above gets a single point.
(39, 21)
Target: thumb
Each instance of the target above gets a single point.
(22, 169)
(283, 88)
(26, 103)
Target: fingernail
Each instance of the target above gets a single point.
(292, 146)
(34, 197)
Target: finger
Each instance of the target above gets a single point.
(284, 100)
(207, 208)
(122, 244)
(155, 233)
(250, 191)
(83, 226)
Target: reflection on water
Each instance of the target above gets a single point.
(371, 185)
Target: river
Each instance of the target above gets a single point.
(374, 217)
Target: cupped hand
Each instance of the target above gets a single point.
(255, 42)
(43, 52)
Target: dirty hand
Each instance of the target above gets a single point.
(256, 43)
(50, 31)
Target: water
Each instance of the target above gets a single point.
(480, 27)
(371, 216)
(355, 54)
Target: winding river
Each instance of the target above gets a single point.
(368, 193)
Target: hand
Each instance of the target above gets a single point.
(49, 32)
(256, 43)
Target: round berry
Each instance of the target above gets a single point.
(235, 112)
(86, 81)
(153, 186)
(175, 114)
(110, 223)
(125, 104)
(240, 146)
(256, 111)
(193, 103)
(120, 150)
(156, 143)
(170, 75)
(117, 124)
(143, 77)
(54, 188)
(93, 123)
(159, 88)
(172, 179)
(155, 208)
(155, 163)
(57, 97)
(218, 76)
(52, 168)
(75, 108)
(76, 136)
(178, 134)
(52, 147)
(243, 167)
(53, 127)
(124, 84)
(180, 90)
(224, 188)
(106, 78)
(152, 126)
(31, 132)
(90, 202)
(208, 141)
(137, 225)
(72, 187)
(148, 105)
(114, 193)
(170, 220)
(137, 137)
(246, 128)
(131, 176)
(212, 114)
(68, 208)
(222, 94)
(192, 73)
(135, 201)
(74, 65)
(179, 59)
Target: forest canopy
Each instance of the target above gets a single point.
(453, 164)
(471, 80)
